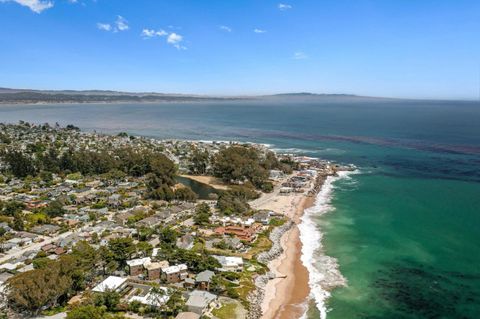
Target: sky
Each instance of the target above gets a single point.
(392, 48)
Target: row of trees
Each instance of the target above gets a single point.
(131, 161)
(109, 162)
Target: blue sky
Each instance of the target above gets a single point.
(397, 48)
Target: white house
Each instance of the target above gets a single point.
(111, 283)
(229, 263)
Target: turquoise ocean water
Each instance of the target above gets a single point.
(404, 229)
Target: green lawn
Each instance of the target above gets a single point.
(226, 311)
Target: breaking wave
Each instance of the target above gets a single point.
(324, 273)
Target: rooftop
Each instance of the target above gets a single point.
(111, 283)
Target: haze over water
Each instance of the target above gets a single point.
(405, 229)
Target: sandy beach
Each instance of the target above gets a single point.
(285, 297)
(208, 180)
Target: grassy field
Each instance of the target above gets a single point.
(226, 311)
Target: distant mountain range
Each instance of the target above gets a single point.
(12, 96)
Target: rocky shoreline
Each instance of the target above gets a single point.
(255, 298)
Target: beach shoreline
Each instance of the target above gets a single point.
(286, 295)
(286, 298)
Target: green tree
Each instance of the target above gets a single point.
(239, 164)
(19, 164)
(185, 193)
(31, 290)
(86, 255)
(176, 303)
(202, 214)
(42, 262)
(87, 312)
(109, 298)
(163, 168)
(168, 236)
(18, 222)
(13, 207)
(122, 249)
(199, 161)
(46, 176)
(145, 248)
(54, 209)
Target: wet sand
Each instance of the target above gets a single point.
(285, 297)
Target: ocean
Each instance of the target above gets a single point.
(402, 233)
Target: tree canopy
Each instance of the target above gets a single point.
(242, 163)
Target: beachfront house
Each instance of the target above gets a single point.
(203, 279)
(200, 301)
(229, 263)
(187, 315)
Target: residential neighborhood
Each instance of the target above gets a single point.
(139, 242)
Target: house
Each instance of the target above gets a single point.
(262, 217)
(189, 283)
(200, 301)
(48, 248)
(154, 299)
(286, 190)
(155, 241)
(229, 263)
(151, 221)
(175, 273)
(187, 315)
(112, 283)
(203, 280)
(276, 174)
(5, 227)
(136, 266)
(242, 233)
(59, 251)
(45, 229)
(155, 252)
(122, 218)
(233, 243)
(185, 242)
(154, 269)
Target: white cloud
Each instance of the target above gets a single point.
(225, 28)
(121, 24)
(36, 6)
(299, 55)
(259, 30)
(104, 26)
(284, 6)
(179, 47)
(151, 33)
(174, 38)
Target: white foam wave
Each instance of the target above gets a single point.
(291, 150)
(324, 274)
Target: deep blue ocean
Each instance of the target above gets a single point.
(405, 229)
